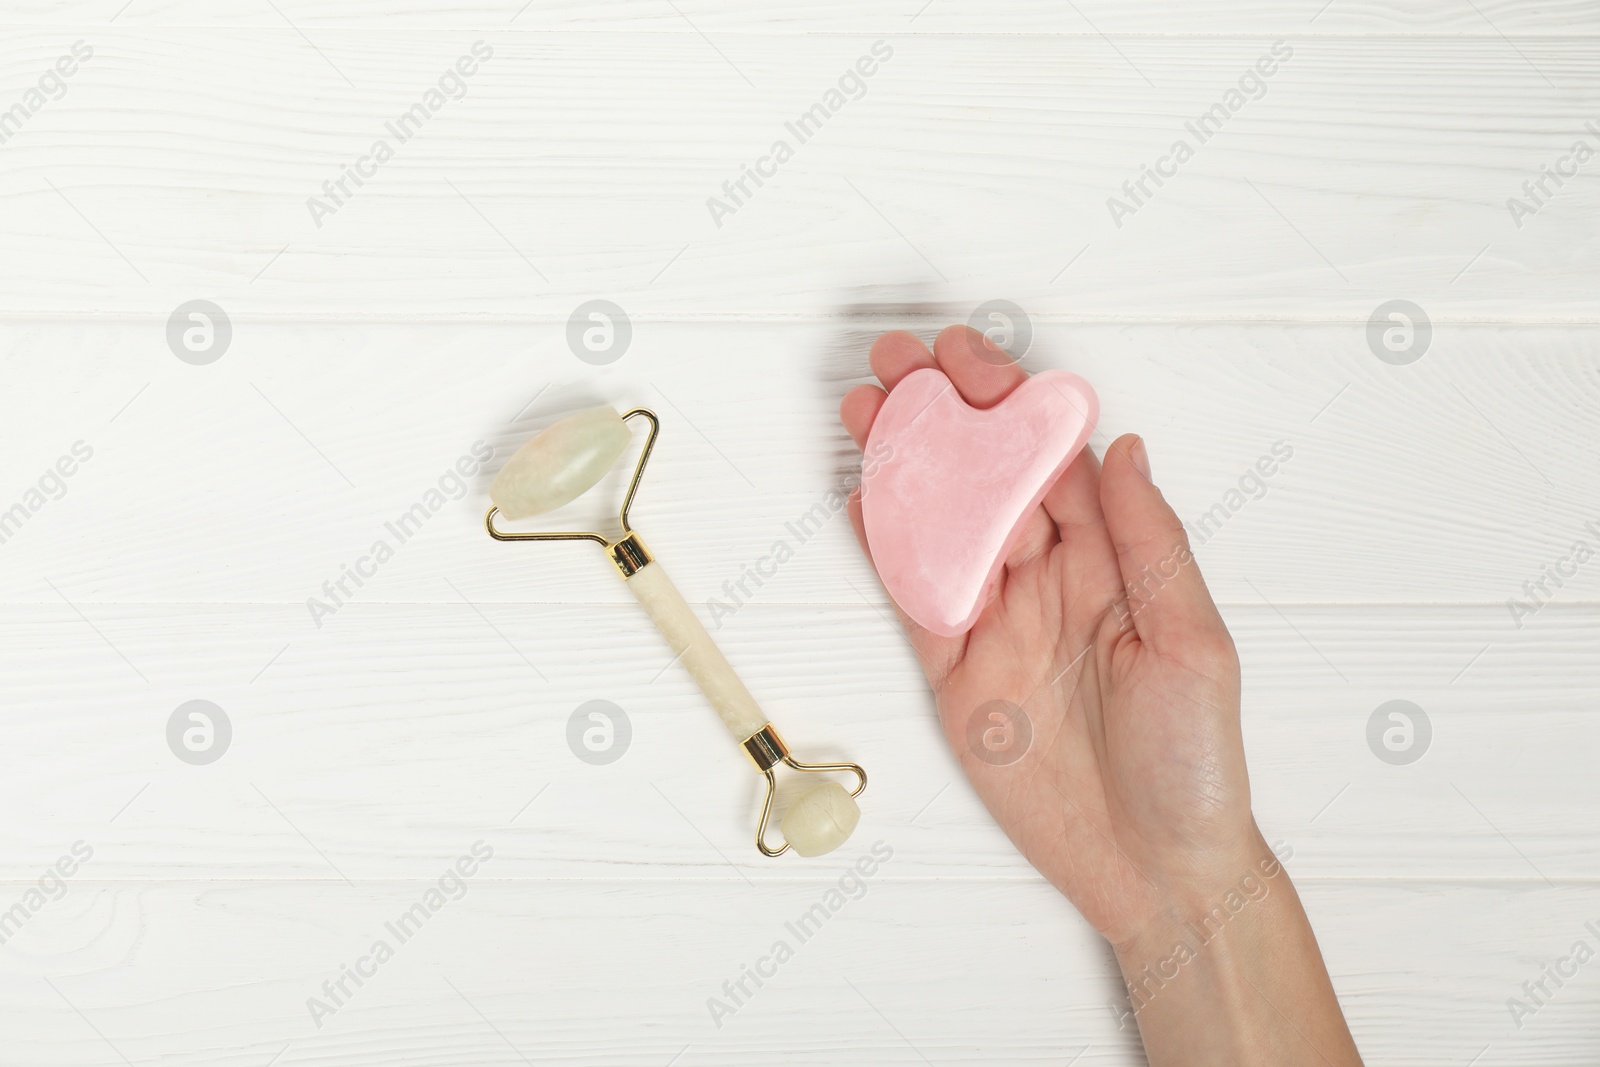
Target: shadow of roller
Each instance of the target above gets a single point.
(564, 461)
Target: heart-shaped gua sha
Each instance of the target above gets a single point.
(946, 488)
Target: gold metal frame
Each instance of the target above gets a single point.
(628, 554)
(766, 750)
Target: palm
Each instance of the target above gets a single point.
(1134, 778)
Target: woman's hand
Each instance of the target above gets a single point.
(1102, 640)
(1133, 790)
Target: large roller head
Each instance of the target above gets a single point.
(560, 463)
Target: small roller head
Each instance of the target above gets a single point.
(560, 463)
(821, 820)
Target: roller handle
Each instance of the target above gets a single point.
(693, 646)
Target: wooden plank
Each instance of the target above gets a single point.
(422, 325)
(1016, 17)
(365, 748)
(579, 165)
(1460, 478)
(557, 972)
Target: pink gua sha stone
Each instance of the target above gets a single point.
(956, 484)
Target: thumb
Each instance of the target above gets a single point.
(1170, 606)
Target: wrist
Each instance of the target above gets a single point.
(1234, 949)
(1196, 909)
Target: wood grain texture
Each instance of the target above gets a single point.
(183, 161)
(582, 973)
(423, 325)
(1139, 18)
(255, 480)
(364, 748)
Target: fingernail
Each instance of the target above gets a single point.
(1140, 458)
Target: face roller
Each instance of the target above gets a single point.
(558, 465)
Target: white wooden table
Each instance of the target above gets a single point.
(378, 338)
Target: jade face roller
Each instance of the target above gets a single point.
(558, 465)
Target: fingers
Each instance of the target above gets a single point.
(1039, 535)
(852, 508)
(895, 355)
(1171, 607)
(1073, 504)
(859, 409)
(1074, 501)
(981, 372)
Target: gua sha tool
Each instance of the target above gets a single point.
(944, 508)
(556, 467)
